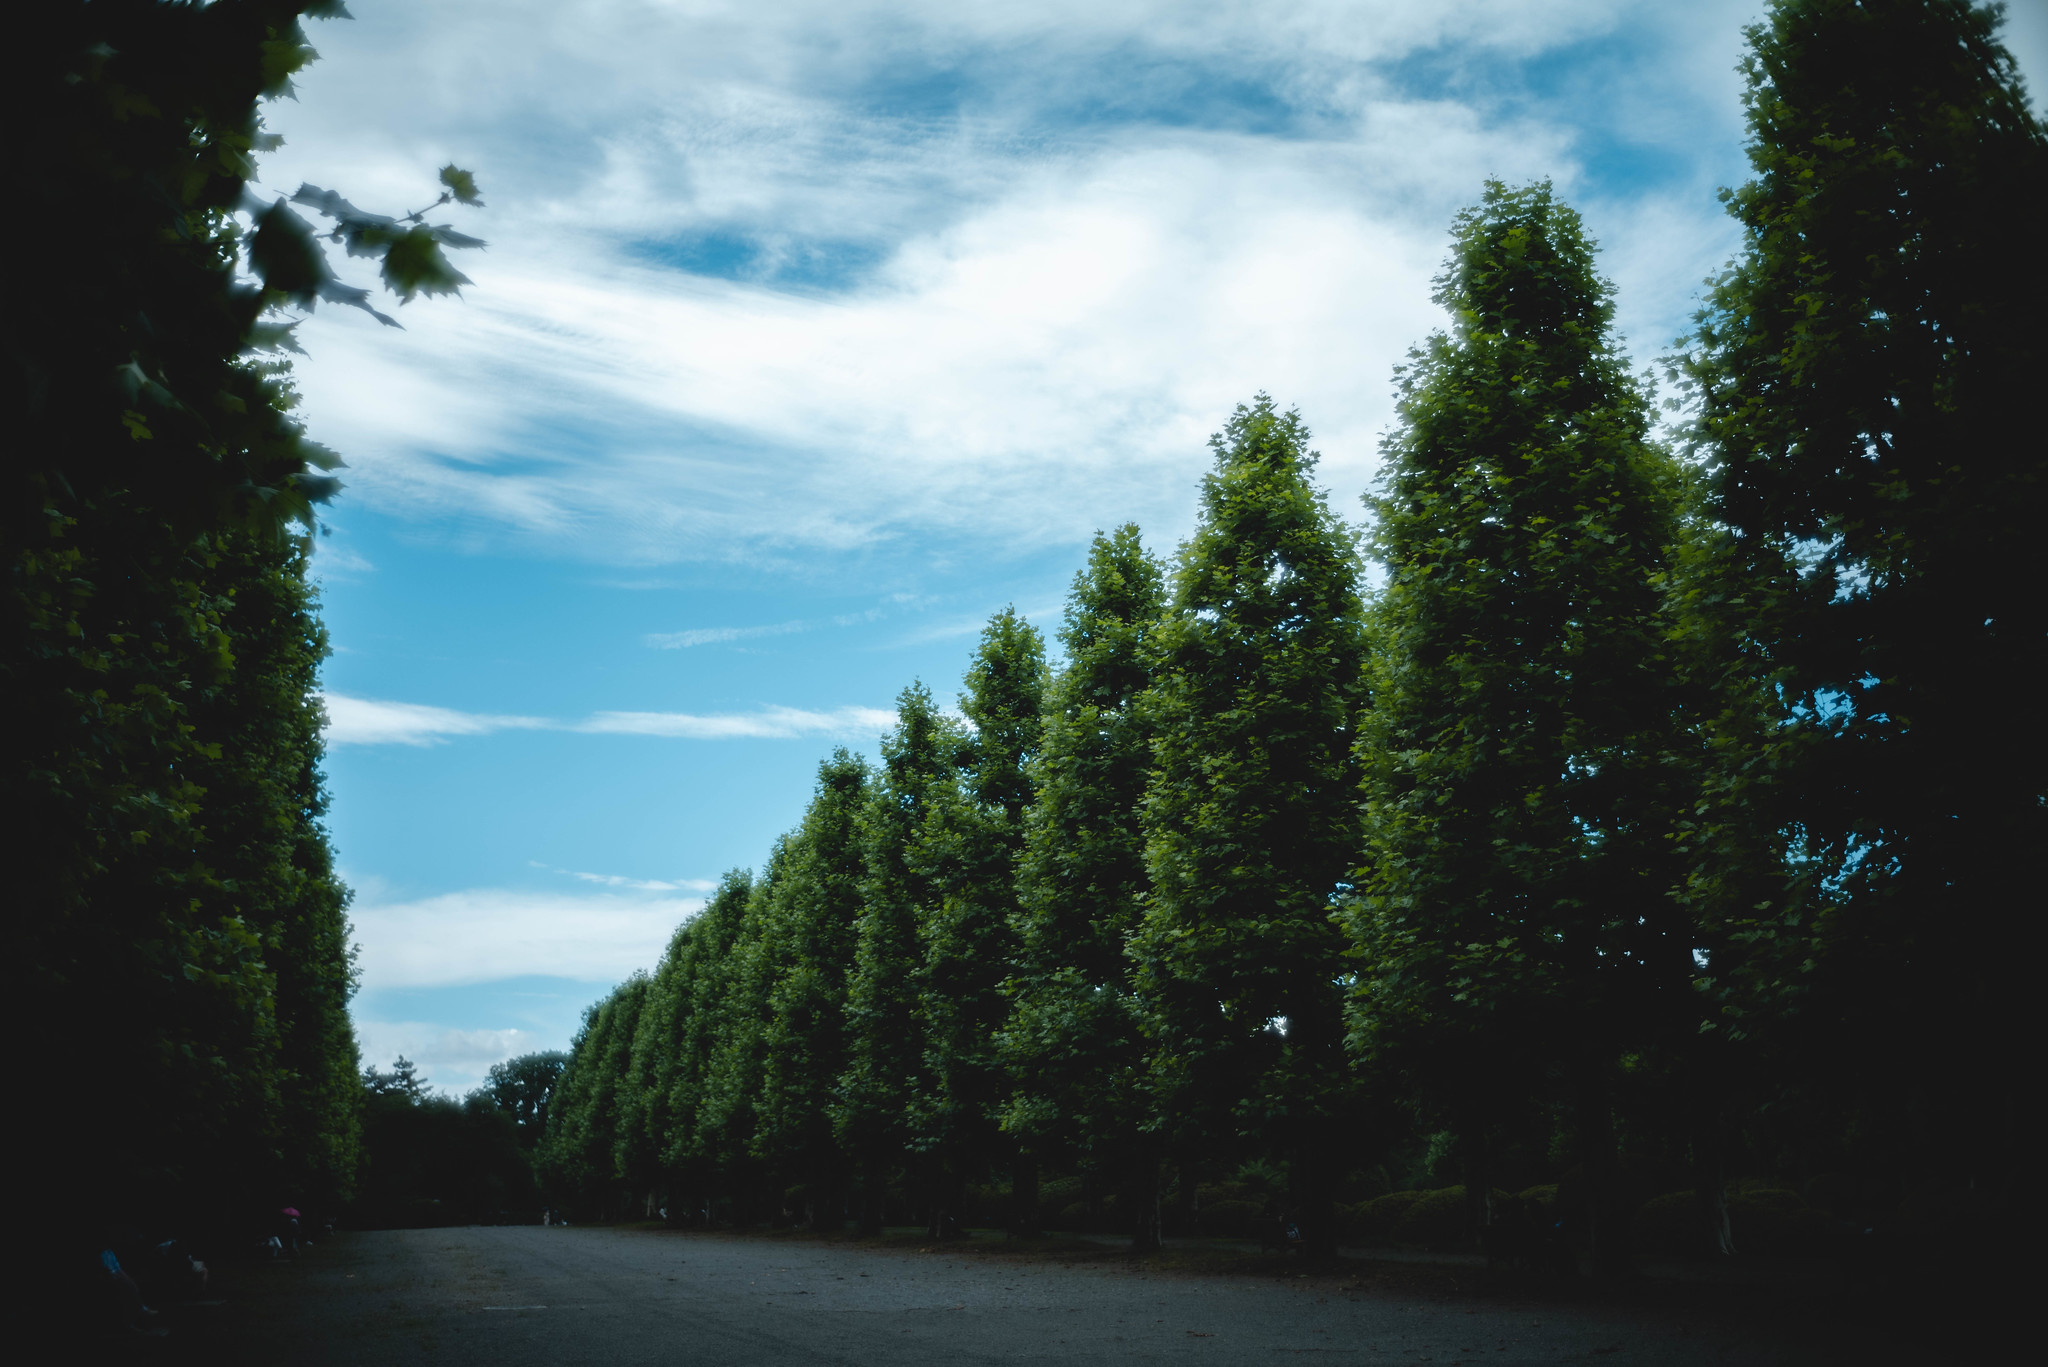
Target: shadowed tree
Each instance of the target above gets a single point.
(816, 907)
(1516, 917)
(1865, 373)
(885, 1026)
(1073, 1042)
(1250, 819)
(968, 849)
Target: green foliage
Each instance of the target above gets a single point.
(1073, 1041)
(817, 902)
(1250, 821)
(430, 1160)
(522, 1088)
(1515, 919)
(1864, 375)
(1634, 801)
(968, 849)
(161, 643)
(884, 1019)
(1440, 1220)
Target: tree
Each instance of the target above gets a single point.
(522, 1088)
(1516, 917)
(885, 1047)
(186, 932)
(1864, 374)
(1073, 1042)
(579, 1160)
(1250, 817)
(967, 850)
(817, 905)
(672, 1056)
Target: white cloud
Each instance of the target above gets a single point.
(619, 880)
(1058, 309)
(770, 723)
(485, 934)
(707, 636)
(368, 721)
(453, 1061)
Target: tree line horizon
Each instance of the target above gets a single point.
(1628, 836)
(1667, 806)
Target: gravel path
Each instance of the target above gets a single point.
(526, 1296)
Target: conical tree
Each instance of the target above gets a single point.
(968, 850)
(1073, 1043)
(1867, 373)
(1250, 818)
(817, 905)
(1516, 915)
(885, 1027)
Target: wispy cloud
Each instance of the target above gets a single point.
(619, 880)
(485, 934)
(770, 723)
(368, 721)
(707, 636)
(789, 278)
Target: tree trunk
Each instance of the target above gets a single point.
(1710, 1179)
(1478, 1165)
(1024, 1195)
(1145, 1208)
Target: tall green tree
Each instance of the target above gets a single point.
(885, 1026)
(818, 903)
(968, 850)
(1073, 1043)
(729, 1116)
(592, 1106)
(1517, 921)
(1250, 819)
(186, 937)
(673, 1057)
(1865, 374)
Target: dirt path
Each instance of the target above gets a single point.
(526, 1296)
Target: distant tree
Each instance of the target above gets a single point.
(729, 1115)
(521, 1088)
(579, 1160)
(1250, 819)
(1072, 1043)
(403, 1082)
(1516, 916)
(885, 1026)
(968, 850)
(670, 1074)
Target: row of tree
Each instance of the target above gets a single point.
(182, 930)
(1655, 803)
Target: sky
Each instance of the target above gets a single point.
(810, 335)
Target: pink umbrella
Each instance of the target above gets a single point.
(289, 1211)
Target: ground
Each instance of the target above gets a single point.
(521, 1296)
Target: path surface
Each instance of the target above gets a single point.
(527, 1296)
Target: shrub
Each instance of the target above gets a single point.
(1374, 1220)
(1439, 1220)
(1670, 1225)
(1233, 1219)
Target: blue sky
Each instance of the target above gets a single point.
(809, 335)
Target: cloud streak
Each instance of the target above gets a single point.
(707, 636)
(483, 935)
(369, 721)
(782, 280)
